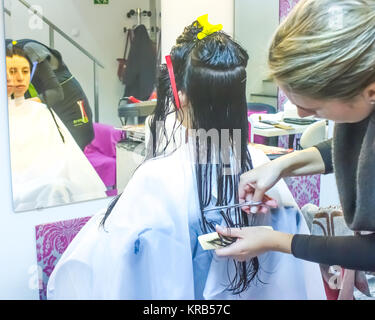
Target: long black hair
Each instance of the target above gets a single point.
(212, 74)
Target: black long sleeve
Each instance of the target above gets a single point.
(350, 252)
(325, 149)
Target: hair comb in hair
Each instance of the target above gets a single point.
(173, 80)
(208, 28)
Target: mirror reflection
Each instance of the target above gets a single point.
(48, 165)
(70, 95)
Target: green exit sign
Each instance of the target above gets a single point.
(101, 1)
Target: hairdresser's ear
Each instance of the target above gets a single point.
(183, 99)
(369, 92)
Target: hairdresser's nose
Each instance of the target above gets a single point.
(304, 113)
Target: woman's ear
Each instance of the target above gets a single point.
(369, 93)
(184, 101)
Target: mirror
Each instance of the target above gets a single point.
(67, 78)
(255, 24)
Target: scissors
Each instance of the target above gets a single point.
(238, 205)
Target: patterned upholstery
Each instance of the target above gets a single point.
(101, 153)
(305, 189)
(52, 239)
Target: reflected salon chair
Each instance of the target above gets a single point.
(101, 153)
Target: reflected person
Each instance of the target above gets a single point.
(60, 90)
(48, 167)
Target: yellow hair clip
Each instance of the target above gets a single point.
(208, 28)
(14, 42)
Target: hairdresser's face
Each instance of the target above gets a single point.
(10, 88)
(337, 110)
(20, 73)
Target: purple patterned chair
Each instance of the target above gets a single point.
(52, 239)
(101, 153)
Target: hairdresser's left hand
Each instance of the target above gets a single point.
(252, 242)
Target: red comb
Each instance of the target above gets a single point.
(173, 80)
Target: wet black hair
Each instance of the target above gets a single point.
(212, 74)
(17, 51)
(9, 52)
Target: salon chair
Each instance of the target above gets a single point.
(52, 239)
(339, 283)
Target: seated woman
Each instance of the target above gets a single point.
(48, 167)
(146, 245)
(59, 90)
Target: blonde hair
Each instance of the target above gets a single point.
(325, 49)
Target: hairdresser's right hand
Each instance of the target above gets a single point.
(255, 183)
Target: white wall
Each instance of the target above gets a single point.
(255, 23)
(17, 235)
(100, 33)
(177, 14)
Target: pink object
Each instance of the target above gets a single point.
(101, 153)
(285, 6)
(172, 79)
(52, 239)
(257, 139)
(305, 189)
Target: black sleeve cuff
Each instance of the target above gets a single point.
(299, 245)
(325, 149)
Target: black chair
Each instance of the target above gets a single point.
(255, 106)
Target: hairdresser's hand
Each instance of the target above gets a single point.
(255, 183)
(252, 242)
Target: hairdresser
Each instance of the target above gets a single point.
(323, 57)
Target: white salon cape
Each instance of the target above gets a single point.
(46, 171)
(148, 248)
